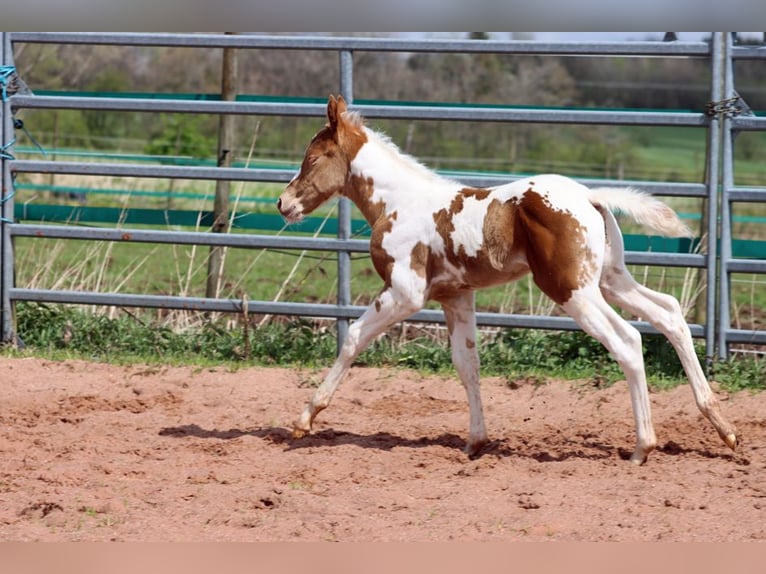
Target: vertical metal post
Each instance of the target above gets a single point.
(727, 182)
(222, 187)
(8, 334)
(714, 139)
(344, 206)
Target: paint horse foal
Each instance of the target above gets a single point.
(434, 239)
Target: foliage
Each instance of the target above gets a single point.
(62, 331)
(741, 373)
(50, 328)
(180, 135)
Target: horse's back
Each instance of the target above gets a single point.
(558, 187)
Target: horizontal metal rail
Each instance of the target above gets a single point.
(748, 123)
(277, 175)
(746, 265)
(317, 310)
(421, 112)
(247, 41)
(748, 52)
(257, 241)
(746, 337)
(152, 171)
(747, 194)
(191, 238)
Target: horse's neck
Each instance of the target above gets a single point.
(388, 180)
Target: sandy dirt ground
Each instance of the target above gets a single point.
(102, 452)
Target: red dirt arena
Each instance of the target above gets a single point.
(99, 452)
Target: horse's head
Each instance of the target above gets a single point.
(326, 165)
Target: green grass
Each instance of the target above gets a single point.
(62, 332)
(678, 154)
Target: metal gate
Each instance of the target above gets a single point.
(723, 120)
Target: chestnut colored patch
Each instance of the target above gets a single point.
(381, 259)
(351, 137)
(346, 128)
(360, 190)
(444, 216)
(445, 225)
(322, 174)
(442, 284)
(476, 192)
(555, 247)
(499, 228)
(419, 260)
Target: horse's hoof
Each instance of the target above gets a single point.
(473, 449)
(638, 458)
(731, 441)
(299, 433)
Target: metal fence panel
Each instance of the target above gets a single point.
(720, 54)
(734, 120)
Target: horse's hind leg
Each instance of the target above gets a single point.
(663, 312)
(588, 307)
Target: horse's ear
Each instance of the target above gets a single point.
(335, 107)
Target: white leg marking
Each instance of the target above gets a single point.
(461, 321)
(663, 312)
(382, 314)
(597, 318)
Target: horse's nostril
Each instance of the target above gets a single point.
(279, 203)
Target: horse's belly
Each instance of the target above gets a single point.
(462, 279)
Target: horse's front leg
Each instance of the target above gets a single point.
(461, 323)
(387, 309)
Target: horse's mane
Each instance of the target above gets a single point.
(354, 118)
(385, 141)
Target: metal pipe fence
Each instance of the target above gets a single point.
(719, 126)
(732, 124)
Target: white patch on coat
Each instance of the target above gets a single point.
(469, 226)
(394, 172)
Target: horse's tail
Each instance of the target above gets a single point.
(642, 207)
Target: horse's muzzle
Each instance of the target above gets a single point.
(290, 213)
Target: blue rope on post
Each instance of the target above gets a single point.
(6, 73)
(2, 201)
(7, 78)
(5, 198)
(3, 150)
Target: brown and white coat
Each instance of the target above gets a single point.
(435, 239)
